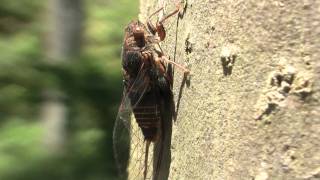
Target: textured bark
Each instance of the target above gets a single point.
(251, 107)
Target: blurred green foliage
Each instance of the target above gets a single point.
(91, 82)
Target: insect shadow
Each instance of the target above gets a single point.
(162, 150)
(185, 80)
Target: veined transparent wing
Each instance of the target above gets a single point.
(128, 141)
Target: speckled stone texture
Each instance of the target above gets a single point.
(251, 108)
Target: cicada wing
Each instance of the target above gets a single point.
(131, 97)
(121, 137)
(137, 157)
(128, 140)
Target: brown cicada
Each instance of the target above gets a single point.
(147, 95)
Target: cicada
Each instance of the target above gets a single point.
(147, 96)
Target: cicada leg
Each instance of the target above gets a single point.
(179, 66)
(159, 28)
(151, 27)
(178, 6)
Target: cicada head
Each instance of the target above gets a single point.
(137, 30)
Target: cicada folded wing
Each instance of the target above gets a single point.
(128, 140)
(121, 137)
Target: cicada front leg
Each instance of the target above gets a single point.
(159, 28)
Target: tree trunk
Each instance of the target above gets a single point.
(250, 109)
(64, 35)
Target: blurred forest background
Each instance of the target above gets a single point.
(60, 87)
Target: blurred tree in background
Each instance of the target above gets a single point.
(86, 82)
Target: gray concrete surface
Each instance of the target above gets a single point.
(251, 108)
